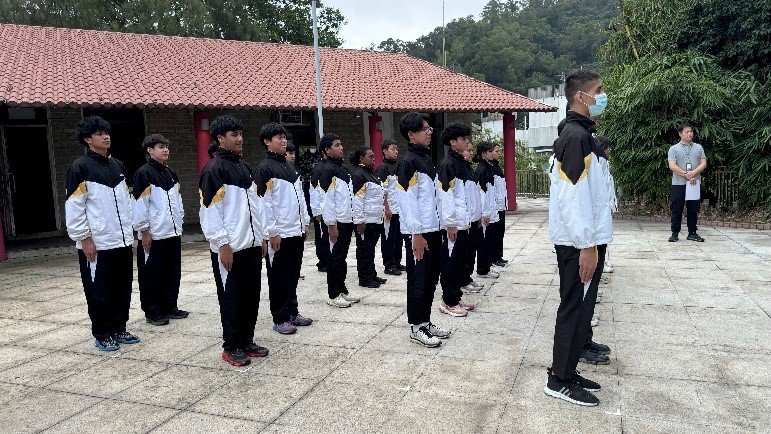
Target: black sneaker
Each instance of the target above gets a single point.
(593, 358)
(254, 350)
(393, 272)
(157, 320)
(674, 237)
(322, 269)
(695, 237)
(371, 283)
(570, 391)
(591, 386)
(178, 314)
(500, 263)
(380, 279)
(597, 348)
(401, 267)
(236, 357)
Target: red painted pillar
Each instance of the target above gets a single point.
(375, 138)
(510, 160)
(202, 138)
(3, 254)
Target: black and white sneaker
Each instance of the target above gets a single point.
(424, 337)
(593, 358)
(591, 386)
(597, 348)
(570, 391)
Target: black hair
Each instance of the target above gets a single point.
(387, 144)
(222, 124)
(578, 81)
(271, 130)
(152, 140)
(453, 132)
(327, 141)
(681, 127)
(604, 142)
(92, 125)
(484, 146)
(213, 149)
(356, 155)
(290, 148)
(412, 122)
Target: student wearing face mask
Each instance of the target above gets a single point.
(580, 227)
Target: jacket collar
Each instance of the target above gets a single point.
(456, 155)
(156, 164)
(98, 157)
(420, 150)
(228, 155)
(338, 161)
(278, 157)
(581, 120)
(389, 161)
(365, 168)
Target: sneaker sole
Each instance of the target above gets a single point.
(594, 362)
(545, 384)
(234, 363)
(455, 314)
(342, 306)
(419, 342)
(265, 355)
(558, 395)
(106, 349)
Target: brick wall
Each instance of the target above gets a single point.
(64, 150)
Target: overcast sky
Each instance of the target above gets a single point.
(373, 22)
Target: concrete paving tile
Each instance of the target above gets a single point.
(506, 347)
(644, 425)
(506, 305)
(649, 313)
(754, 406)
(338, 334)
(62, 337)
(744, 368)
(302, 361)
(733, 328)
(197, 324)
(531, 418)
(495, 323)
(77, 314)
(255, 397)
(716, 300)
(364, 313)
(23, 330)
(386, 369)
(659, 332)
(396, 298)
(527, 391)
(476, 379)
(166, 347)
(11, 356)
(194, 423)
(521, 291)
(6, 322)
(108, 377)
(177, 386)
(679, 400)
(49, 407)
(684, 362)
(114, 416)
(331, 406)
(48, 368)
(639, 295)
(470, 415)
(396, 339)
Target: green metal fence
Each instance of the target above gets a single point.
(532, 183)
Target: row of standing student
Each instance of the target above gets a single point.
(246, 215)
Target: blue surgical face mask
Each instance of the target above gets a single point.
(600, 102)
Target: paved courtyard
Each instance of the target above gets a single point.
(688, 324)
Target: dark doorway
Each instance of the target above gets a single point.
(26, 189)
(29, 180)
(128, 131)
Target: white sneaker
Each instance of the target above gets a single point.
(423, 337)
(351, 298)
(595, 321)
(490, 275)
(604, 279)
(451, 310)
(607, 268)
(338, 301)
(599, 293)
(477, 285)
(438, 331)
(471, 288)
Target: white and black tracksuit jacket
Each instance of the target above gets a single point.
(386, 172)
(367, 196)
(416, 193)
(280, 187)
(231, 210)
(453, 177)
(99, 205)
(487, 191)
(157, 201)
(335, 192)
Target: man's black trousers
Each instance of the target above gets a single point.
(238, 292)
(365, 251)
(321, 238)
(500, 229)
(676, 203)
(391, 246)
(283, 275)
(485, 241)
(337, 267)
(107, 284)
(453, 267)
(422, 277)
(574, 315)
(159, 274)
(470, 254)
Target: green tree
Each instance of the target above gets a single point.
(282, 21)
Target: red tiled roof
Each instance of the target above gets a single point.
(46, 66)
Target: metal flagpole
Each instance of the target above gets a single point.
(444, 53)
(318, 69)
